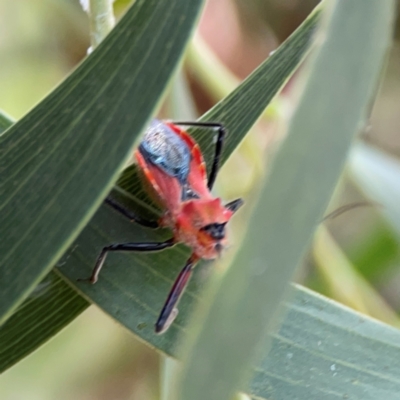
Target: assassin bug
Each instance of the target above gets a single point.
(172, 165)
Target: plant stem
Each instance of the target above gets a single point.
(169, 369)
(101, 18)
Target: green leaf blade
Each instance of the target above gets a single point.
(73, 144)
(146, 280)
(116, 286)
(256, 93)
(140, 283)
(43, 314)
(325, 350)
(302, 179)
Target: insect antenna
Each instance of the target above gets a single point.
(341, 210)
(234, 205)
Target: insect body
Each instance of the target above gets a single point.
(173, 167)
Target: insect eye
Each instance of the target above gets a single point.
(215, 230)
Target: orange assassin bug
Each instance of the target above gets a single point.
(173, 168)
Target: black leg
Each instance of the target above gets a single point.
(137, 247)
(169, 311)
(218, 146)
(129, 214)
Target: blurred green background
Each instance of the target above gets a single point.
(356, 263)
